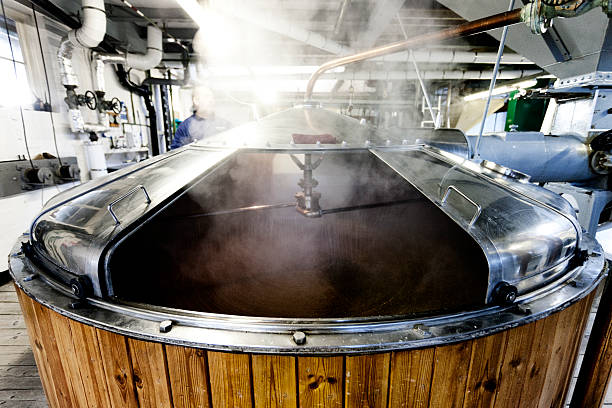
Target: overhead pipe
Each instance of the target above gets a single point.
(173, 82)
(153, 56)
(318, 41)
(536, 15)
(500, 53)
(455, 57)
(143, 62)
(474, 27)
(89, 35)
(279, 26)
(341, 15)
(365, 75)
(151, 59)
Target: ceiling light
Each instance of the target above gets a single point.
(194, 9)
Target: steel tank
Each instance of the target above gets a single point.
(306, 259)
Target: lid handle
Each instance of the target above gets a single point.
(126, 195)
(468, 199)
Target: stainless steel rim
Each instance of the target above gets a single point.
(323, 336)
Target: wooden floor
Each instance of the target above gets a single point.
(19, 382)
(20, 385)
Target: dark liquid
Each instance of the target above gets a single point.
(399, 255)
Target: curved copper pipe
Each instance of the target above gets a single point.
(463, 30)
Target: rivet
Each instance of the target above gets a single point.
(299, 338)
(165, 326)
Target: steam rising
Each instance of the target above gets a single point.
(402, 259)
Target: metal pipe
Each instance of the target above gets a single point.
(375, 74)
(474, 27)
(145, 93)
(446, 56)
(341, 15)
(562, 157)
(417, 71)
(89, 35)
(423, 89)
(500, 52)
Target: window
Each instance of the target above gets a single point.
(16, 88)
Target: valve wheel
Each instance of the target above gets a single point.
(91, 100)
(115, 105)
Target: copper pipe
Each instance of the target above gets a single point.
(463, 30)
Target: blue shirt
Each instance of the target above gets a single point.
(196, 128)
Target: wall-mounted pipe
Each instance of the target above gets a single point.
(145, 93)
(143, 62)
(89, 35)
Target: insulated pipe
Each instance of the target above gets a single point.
(544, 158)
(474, 27)
(154, 52)
(398, 75)
(455, 57)
(274, 24)
(89, 35)
(318, 41)
(143, 62)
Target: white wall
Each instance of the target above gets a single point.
(39, 131)
(17, 213)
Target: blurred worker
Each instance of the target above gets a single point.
(203, 123)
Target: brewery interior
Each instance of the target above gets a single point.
(414, 196)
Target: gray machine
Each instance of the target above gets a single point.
(571, 155)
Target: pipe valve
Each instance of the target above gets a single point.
(538, 14)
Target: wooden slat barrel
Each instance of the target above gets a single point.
(526, 366)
